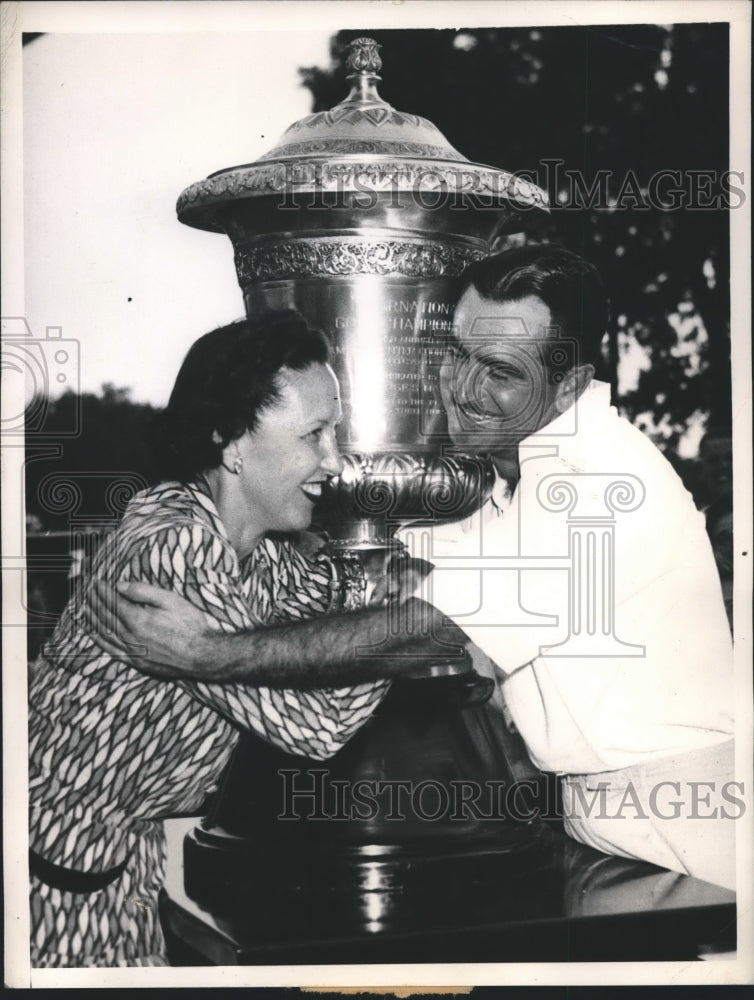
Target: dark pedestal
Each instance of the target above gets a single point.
(554, 901)
(275, 879)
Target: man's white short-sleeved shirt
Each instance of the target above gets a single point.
(602, 543)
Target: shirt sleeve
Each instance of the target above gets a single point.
(201, 567)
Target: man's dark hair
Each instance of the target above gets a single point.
(569, 286)
(227, 378)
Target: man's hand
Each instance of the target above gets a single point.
(155, 630)
(393, 577)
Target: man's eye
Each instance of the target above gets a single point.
(503, 372)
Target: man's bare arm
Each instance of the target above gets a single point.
(164, 635)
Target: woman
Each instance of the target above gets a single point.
(248, 438)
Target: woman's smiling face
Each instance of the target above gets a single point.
(292, 451)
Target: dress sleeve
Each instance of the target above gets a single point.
(289, 586)
(201, 567)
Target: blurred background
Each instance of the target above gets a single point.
(626, 126)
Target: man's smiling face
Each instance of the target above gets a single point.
(496, 387)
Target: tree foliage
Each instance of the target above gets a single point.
(84, 461)
(91, 454)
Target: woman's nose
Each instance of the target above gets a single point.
(332, 462)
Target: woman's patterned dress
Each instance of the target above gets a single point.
(113, 751)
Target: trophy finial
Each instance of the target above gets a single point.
(364, 56)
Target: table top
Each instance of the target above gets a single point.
(553, 900)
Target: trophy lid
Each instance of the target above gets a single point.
(362, 144)
(363, 122)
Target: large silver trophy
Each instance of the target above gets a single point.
(364, 218)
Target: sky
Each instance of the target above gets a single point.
(115, 127)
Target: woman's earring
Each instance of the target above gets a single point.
(237, 465)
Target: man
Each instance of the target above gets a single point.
(587, 578)
(605, 622)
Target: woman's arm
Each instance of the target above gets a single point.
(307, 709)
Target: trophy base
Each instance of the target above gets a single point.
(363, 888)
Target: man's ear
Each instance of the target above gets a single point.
(574, 383)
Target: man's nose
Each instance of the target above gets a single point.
(471, 385)
(331, 461)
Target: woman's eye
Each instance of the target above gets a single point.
(315, 435)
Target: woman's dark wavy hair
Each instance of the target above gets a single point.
(569, 286)
(227, 378)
